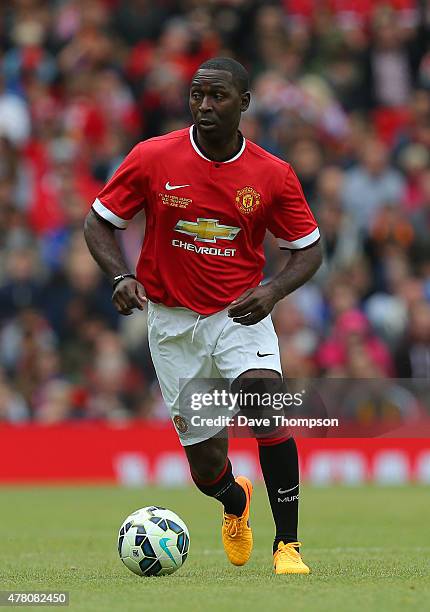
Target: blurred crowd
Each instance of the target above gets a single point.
(341, 89)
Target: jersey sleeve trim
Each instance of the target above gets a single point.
(300, 243)
(108, 215)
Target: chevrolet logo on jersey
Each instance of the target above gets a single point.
(207, 230)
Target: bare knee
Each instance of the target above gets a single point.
(258, 382)
(258, 375)
(257, 388)
(207, 459)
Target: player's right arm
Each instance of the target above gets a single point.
(116, 204)
(103, 246)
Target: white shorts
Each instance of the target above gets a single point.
(185, 345)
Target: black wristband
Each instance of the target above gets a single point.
(120, 277)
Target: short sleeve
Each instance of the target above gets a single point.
(291, 220)
(123, 196)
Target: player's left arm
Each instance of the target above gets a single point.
(255, 304)
(293, 224)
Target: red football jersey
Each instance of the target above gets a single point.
(205, 220)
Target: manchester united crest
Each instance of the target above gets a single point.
(247, 200)
(180, 424)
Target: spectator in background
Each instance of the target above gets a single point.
(13, 407)
(389, 63)
(114, 380)
(139, 20)
(414, 160)
(54, 404)
(413, 354)
(340, 235)
(306, 159)
(21, 287)
(297, 340)
(14, 117)
(371, 184)
(77, 292)
(421, 220)
(354, 349)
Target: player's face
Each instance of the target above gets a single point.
(215, 103)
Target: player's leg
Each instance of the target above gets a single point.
(212, 473)
(253, 351)
(280, 467)
(181, 347)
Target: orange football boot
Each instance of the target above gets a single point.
(287, 559)
(236, 532)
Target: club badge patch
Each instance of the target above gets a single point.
(247, 200)
(180, 424)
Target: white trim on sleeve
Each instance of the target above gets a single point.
(109, 215)
(300, 243)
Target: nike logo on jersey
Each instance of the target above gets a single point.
(264, 354)
(282, 492)
(170, 187)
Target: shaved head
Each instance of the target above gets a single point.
(238, 72)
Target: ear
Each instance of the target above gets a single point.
(245, 99)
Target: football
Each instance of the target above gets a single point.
(153, 541)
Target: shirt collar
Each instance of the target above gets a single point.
(227, 161)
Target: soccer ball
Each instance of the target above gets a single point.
(153, 541)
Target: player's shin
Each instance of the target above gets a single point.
(280, 467)
(225, 489)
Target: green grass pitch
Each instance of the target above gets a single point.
(368, 547)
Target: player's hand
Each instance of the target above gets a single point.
(129, 294)
(253, 305)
